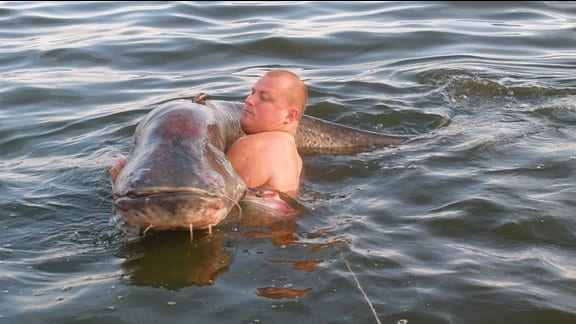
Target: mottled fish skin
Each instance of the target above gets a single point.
(319, 136)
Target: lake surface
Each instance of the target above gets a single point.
(471, 222)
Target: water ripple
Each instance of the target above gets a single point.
(472, 221)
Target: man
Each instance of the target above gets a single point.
(267, 157)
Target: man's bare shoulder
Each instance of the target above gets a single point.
(265, 150)
(272, 141)
(267, 160)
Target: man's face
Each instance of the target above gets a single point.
(266, 107)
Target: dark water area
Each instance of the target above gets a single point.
(471, 222)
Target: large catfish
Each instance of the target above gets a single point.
(178, 176)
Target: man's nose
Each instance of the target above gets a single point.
(249, 100)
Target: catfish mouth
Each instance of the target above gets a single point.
(131, 200)
(165, 207)
(160, 192)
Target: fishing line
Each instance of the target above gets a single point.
(360, 288)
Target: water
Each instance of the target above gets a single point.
(473, 222)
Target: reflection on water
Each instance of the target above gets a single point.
(280, 293)
(169, 260)
(282, 233)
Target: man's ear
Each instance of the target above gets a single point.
(291, 115)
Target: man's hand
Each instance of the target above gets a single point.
(201, 98)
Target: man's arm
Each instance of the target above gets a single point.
(249, 160)
(267, 160)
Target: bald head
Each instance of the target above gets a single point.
(295, 90)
